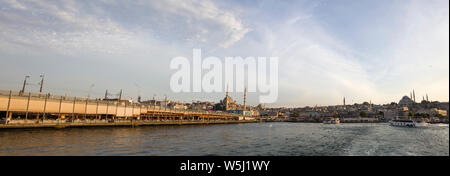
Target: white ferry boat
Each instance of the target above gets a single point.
(332, 121)
(408, 123)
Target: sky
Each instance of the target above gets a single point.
(362, 50)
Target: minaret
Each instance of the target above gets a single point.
(344, 101)
(227, 90)
(106, 94)
(245, 98)
(165, 102)
(226, 100)
(414, 96)
(427, 97)
(410, 95)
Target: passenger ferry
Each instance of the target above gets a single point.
(408, 123)
(332, 121)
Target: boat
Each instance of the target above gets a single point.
(332, 121)
(408, 123)
(421, 124)
(403, 123)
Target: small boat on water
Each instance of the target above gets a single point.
(408, 123)
(434, 122)
(332, 121)
(422, 124)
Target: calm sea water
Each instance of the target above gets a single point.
(236, 139)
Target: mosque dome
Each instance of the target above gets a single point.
(405, 101)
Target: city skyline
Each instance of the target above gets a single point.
(325, 51)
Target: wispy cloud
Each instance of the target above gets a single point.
(59, 26)
(319, 67)
(74, 26)
(206, 22)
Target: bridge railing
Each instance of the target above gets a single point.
(97, 121)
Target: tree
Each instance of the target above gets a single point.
(362, 114)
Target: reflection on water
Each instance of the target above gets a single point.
(234, 139)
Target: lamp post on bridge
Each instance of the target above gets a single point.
(41, 84)
(24, 85)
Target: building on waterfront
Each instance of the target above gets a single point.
(391, 114)
(432, 112)
(260, 107)
(202, 105)
(177, 106)
(242, 112)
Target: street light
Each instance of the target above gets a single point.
(24, 84)
(41, 84)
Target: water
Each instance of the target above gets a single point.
(235, 139)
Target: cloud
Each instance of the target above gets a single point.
(71, 27)
(61, 27)
(208, 22)
(297, 18)
(315, 67)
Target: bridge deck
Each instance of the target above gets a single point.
(131, 123)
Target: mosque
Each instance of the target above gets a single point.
(228, 104)
(409, 101)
